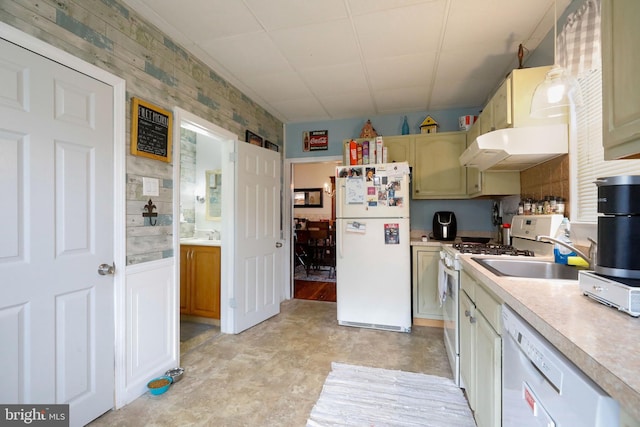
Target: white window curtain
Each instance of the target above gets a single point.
(579, 40)
(579, 52)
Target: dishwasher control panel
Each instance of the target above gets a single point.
(533, 348)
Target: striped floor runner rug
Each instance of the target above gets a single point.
(362, 396)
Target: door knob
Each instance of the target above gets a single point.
(104, 269)
(278, 245)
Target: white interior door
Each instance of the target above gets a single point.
(57, 225)
(259, 254)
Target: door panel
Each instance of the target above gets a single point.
(56, 184)
(258, 261)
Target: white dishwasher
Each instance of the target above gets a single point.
(541, 387)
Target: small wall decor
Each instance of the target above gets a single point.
(315, 140)
(368, 131)
(271, 146)
(307, 197)
(253, 138)
(149, 207)
(150, 131)
(429, 125)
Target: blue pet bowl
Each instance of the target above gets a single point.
(159, 385)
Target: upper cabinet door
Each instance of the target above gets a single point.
(399, 148)
(620, 77)
(437, 170)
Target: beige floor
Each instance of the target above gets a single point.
(272, 374)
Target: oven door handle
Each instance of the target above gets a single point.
(444, 273)
(447, 270)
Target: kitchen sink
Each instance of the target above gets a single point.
(529, 268)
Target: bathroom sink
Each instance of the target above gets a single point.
(529, 268)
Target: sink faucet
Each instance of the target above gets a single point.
(593, 248)
(214, 235)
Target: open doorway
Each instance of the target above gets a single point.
(313, 218)
(200, 228)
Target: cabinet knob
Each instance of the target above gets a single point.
(472, 319)
(467, 313)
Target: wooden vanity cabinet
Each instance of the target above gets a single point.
(200, 281)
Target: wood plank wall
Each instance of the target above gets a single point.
(108, 34)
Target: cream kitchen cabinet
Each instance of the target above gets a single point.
(399, 148)
(481, 351)
(492, 183)
(489, 183)
(426, 304)
(437, 173)
(620, 79)
(510, 105)
(200, 281)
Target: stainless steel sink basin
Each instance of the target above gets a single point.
(529, 268)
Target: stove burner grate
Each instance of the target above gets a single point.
(490, 249)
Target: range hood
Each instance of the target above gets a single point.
(516, 149)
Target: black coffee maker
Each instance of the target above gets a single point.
(444, 225)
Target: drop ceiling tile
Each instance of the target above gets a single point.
(402, 31)
(336, 79)
(401, 71)
(318, 44)
(363, 7)
(204, 20)
(247, 54)
(352, 105)
(301, 110)
(511, 22)
(279, 86)
(278, 14)
(463, 93)
(472, 65)
(407, 98)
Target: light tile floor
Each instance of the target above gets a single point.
(272, 374)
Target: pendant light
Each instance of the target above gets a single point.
(554, 96)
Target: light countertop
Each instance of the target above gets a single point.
(199, 242)
(601, 341)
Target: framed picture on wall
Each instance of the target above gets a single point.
(254, 139)
(271, 146)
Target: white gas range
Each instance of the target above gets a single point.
(525, 228)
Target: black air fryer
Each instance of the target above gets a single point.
(444, 225)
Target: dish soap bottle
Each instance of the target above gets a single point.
(561, 253)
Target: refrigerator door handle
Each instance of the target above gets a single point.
(340, 239)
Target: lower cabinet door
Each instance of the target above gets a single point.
(205, 290)
(426, 303)
(468, 347)
(488, 384)
(200, 281)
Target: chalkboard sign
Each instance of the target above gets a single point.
(150, 131)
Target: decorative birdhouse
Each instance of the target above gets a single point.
(429, 125)
(368, 131)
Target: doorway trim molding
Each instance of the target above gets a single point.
(288, 215)
(118, 84)
(228, 141)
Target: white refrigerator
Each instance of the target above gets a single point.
(373, 267)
